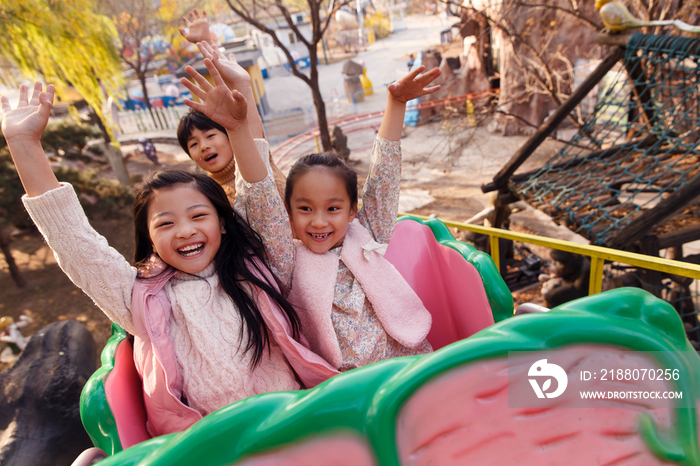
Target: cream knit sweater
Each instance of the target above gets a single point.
(205, 327)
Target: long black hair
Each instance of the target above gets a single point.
(234, 261)
(326, 160)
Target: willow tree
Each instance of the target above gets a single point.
(67, 43)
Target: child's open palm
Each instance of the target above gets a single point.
(233, 74)
(413, 86)
(224, 106)
(198, 27)
(29, 119)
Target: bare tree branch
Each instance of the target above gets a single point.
(548, 80)
(275, 8)
(575, 14)
(290, 22)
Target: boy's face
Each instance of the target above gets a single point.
(210, 149)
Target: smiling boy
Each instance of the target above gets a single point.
(205, 141)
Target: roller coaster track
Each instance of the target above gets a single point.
(355, 123)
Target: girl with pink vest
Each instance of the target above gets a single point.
(354, 306)
(209, 323)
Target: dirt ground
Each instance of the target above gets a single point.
(452, 180)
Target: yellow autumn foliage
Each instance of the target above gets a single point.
(66, 42)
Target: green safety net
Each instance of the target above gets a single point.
(638, 145)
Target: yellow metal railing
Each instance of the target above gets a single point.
(598, 254)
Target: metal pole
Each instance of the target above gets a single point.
(323, 44)
(354, 100)
(596, 278)
(495, 253)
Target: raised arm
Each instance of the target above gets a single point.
(407, 88)
(235, 77)
(380, 195)
(263, 203)
(100, 271)
(229, 109)
(22, 128)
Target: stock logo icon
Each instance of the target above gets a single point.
(542, 369)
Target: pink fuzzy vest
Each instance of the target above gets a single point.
(154, 356)
(397, 306)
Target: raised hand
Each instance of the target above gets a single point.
(229, 108)
(198, 28)
(235, 77)
(22, 128)
(224, 106)
(413, 86)
(29, 119)
(233, 74)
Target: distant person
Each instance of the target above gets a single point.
(411, 60)
(149, 150)
(355, 308)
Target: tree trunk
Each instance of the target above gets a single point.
(114, 156)
(144, 89)
(312, 46)
(116, 161)
(14, 270)
(484, 41)
(318, 102)
(537, 54)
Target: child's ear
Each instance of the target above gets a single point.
(221, 226)
(353, 213)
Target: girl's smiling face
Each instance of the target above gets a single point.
(184, 227)
(320, 209)
(210, 149)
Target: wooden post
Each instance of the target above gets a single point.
(675, 253)
(651, 279)
(620, 40)
(663, 210)
(636, 73)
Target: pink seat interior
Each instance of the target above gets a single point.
(125, 397)
(449, 286)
